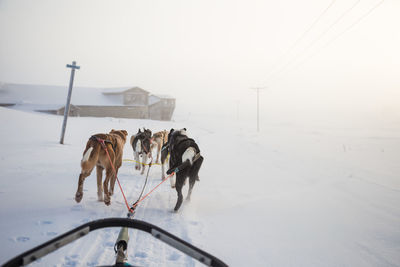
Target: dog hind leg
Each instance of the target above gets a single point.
(179, 184)
(194, 175)
(79, 191)
(158, 152)
(144, 161)
(109, 175)
(112, 182)
(192, 181)
(99, 172)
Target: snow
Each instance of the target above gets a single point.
(299, 193)
(46, 96)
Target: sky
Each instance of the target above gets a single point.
(311, 55)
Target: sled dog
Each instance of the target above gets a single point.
(141, 147)
(185, 160)
(95, 155)
(158, 140)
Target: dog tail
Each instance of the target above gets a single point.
(132, 138)
(194, 172)
(92, 147)
(87, 154)
(189, 154)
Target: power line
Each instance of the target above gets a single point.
(295, 43)
(356, 22)
(318, 37)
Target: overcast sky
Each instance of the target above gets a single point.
(342, 54)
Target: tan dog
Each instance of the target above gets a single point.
(159, 139)
(95, 155)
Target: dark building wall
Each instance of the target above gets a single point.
(162, 110)
(109, 111)
(136, 96)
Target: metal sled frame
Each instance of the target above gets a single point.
(64, 239)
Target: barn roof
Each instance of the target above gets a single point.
(56, 96)
(120, 91)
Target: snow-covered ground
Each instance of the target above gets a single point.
(299, 193)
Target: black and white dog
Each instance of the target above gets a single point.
(185, 160)
(141, 147)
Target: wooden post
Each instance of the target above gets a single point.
(66, 109)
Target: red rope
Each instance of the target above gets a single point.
(140, 200)
(116, 177)
(130, 209)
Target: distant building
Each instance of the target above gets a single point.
(89, 102)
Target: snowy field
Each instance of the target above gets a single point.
(315, 193)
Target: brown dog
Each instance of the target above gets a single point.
(159, 139)
(95, 155)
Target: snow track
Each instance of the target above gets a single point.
(326, 199)
(144, 250)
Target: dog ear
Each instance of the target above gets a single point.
(125, 132)
(172, 130)
(139, 131)
(184, 129)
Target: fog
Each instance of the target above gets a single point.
(311, 56)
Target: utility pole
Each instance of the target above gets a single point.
(66, 109)
(237, 109)
(258, 105)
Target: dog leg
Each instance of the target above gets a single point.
(138, 149)
(112, 183)
(162, 171)
(179, 186)
(99, 172)
(109, 174)
(144, 161)
(158, 152)
(192, 181)
(79, 191)
(137, 160)
(172, 180)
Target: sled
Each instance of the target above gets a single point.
(121, 244)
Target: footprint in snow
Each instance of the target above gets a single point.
(174, 257)
(45, 222)
(51, 233)
(109, 244)
(71, 260)
(92, 263)
(77, 208)
(23, 238)
(141, 255)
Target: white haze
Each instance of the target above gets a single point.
(208, 54)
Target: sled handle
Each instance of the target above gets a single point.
(70, 236)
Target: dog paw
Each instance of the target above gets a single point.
(78, 197)
(107, 200)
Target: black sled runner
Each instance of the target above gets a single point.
(121, 244)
